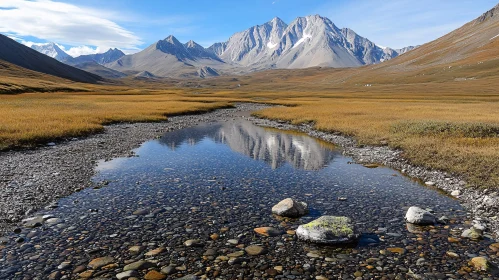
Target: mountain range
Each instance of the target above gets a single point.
(306, 42)
(468, 53)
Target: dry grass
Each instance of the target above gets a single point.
(33, 118)
(459, 135)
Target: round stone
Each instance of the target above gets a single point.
(255, 250)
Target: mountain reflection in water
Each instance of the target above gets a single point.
(274, 147)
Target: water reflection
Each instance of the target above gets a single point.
(274, 147)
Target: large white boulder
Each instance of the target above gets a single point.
(418, 216)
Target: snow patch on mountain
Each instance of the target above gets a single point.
(271, 45)
(305, 37)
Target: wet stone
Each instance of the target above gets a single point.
(255, 250)
(136, 249)
(55, 275)
(100, 262)
(193, 243)
(418, 216)
(472, 233)
(269, 231)
(168, 270)
(290, 208)
(494, 247)
(140, 212)
(140, 265)
(33, 222)
(154, 275)
(127, 274)
(188, 277)
(210, 252)
(480, 264)
(236, 254)
(154, 252)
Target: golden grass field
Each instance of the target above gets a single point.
(439, 103)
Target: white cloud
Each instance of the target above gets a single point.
(400, 23)
(82, 50)
(66, 24)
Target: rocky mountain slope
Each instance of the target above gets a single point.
(307, 42)
(168, 57)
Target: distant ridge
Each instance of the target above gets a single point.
(101, 58)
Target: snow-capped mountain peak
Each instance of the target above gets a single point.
(52, 50)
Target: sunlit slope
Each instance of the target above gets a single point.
(15, 79)
(466, 54)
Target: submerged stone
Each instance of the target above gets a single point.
(269, 231)
(328, 230)
(100, 262)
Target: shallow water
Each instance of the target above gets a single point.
(193, 182)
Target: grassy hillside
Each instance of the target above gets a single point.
(14, 79)
(23, 56)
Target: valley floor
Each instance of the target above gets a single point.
(35, 178)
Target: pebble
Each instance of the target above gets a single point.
(100, 262)
(139, 265)
(255, 250)
(233, 241)
(154, 252)
(127, 274)
(480, 263)
(193, 243)
(167, 270)
(269, 231)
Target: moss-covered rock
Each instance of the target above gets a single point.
(328, 230)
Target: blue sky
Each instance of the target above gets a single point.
(94, 25)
